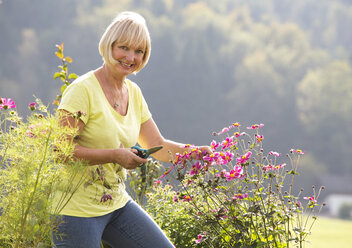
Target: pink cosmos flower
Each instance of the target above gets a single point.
(237, 134)
(236, 124)
(7, 103)
(195, 168)
(199, 239)
(272, 167)
(157, 183)
(298, 151)
(275, 153)
(279, 166)
(187, 198)
(240, 196)
(212, 158)
(31, 106)
(259, 138)
(244, 158)
(255, 126)
(228, 142)
(311, 199)
(226, 157)
(267, 167)
(237, 172)
(214, 145)
(175, 198)
(167, 171)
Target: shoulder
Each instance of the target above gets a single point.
(83, 82)
(133, 87)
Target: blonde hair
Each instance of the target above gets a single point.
(128, 28)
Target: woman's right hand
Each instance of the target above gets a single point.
(128, 158)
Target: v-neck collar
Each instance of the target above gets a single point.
(106, 100)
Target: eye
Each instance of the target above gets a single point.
(123, 48)
(139, 51)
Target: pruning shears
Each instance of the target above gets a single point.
(145, 153)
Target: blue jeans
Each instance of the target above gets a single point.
(128, 227)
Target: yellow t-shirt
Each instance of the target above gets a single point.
(104, 128)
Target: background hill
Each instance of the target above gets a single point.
(283, 63)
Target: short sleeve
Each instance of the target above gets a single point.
(76, 98)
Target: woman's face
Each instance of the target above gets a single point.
(129, 58)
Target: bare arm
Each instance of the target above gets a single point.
(150, 136)
(125, 157)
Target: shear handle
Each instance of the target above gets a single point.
(143, 153)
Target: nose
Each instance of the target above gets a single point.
(130, 55)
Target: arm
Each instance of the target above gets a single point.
(150, 136)
(125, 157)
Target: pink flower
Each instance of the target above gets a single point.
(267, 167)
(175, 198)
(259, 138)
(298, 151)
(244, 158)
(236, 124)
(195, 168)
(240, 196)
(157, 183)
(311, 199)
(237, 134)
(7, 103)
(228, 142)
(275, 154)
(214, 145)
(31, 106)
(237, 172)
(199, 239)
(279, 166)
(225, 129)
(187, 198)
(212, 158)
(226, 157)
(255, 126)
(167, 171)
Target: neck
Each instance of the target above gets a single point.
(110, 78)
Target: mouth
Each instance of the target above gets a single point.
(126, 65)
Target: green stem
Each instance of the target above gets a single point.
(24, 220)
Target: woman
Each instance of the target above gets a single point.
(116, 118)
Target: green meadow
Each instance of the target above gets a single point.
(329, 232)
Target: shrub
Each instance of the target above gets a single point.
(239, 196)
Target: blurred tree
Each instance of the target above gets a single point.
(325, 107)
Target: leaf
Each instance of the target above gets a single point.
(63, 88)
(57, 74)
(59, 54)
(60, 47)
(68, 59)
(72, 76)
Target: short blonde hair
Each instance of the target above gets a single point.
(127, 28)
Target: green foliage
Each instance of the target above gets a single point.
(63, 74)
(34, 157)
(141, 180)
(239, 196)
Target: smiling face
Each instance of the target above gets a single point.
(127, 58)
(125, 45)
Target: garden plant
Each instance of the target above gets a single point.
(35, 158)
(239, 196)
